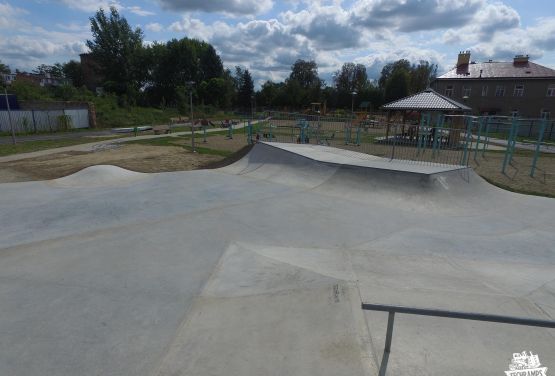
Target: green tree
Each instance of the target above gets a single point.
(72, 70)
(306, 74)
(397, 85)
(245, 88)
(117, 48)
(351, 77)
(4, 69)
(177, 62)
(390, 68)
(55, 70)
(421, 75)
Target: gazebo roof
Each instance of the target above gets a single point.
(427, 100)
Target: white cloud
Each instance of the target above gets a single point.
(9, 14)
(91, 5)
(140, 11)
(232, 7)
(327, 27)
(414, 15)
(155, 27)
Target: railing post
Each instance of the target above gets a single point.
(464, 161)
(486, 137)
(480, 126)
(510, 145)
(249, 134)
(538, 146)
(389, 334)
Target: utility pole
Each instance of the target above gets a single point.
(9, 114)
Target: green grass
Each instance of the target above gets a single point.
(31, 146)
(522, 191)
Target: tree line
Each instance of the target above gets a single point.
(162, 74)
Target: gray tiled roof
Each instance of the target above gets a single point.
(499, 70)
(428, 100)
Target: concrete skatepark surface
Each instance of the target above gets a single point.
(259, 268)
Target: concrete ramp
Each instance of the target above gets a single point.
(358, 176)
(99, 176)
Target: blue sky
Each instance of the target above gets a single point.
(267, 36)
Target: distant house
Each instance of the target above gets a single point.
(42, 79)
(519, 88)
(7, 78)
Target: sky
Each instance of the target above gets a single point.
(268, 36)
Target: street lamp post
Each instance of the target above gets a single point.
(190, 85)
(353, 103)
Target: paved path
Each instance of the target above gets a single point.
(98, 144)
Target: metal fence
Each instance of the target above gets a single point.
(28, 121)
(423, 142)
(433, 138)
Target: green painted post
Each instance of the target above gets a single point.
(204, 134)
(468, 120)
(358, 136)
(510, 145)
(420, 131)
(486, 136)
(437, 135)
(249, 133)
(230, 131)
(425, 122)
(480, 126)
(347, 134)
(270, 132)
(538, 146)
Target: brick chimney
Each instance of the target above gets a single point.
(464, 58)
(520, 59)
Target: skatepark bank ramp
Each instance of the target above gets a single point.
(260, 268)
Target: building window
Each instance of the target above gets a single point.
(466, 91)
(485, 91)
(519, 91)
(449, 91)
(551, 90)
(514, 113)
(544, 114)
(500, 91)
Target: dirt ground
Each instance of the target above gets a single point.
(135, 157)
(162, 155)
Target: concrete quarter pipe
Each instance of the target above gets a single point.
(259, 268)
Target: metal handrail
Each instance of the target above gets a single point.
(391, 309)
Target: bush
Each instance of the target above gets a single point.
(64, 122)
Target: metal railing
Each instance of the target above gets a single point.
(391, 309)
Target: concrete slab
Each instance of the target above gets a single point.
(260, 268)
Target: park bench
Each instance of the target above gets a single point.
(161, 129)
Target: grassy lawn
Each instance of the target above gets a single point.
(30, 146)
